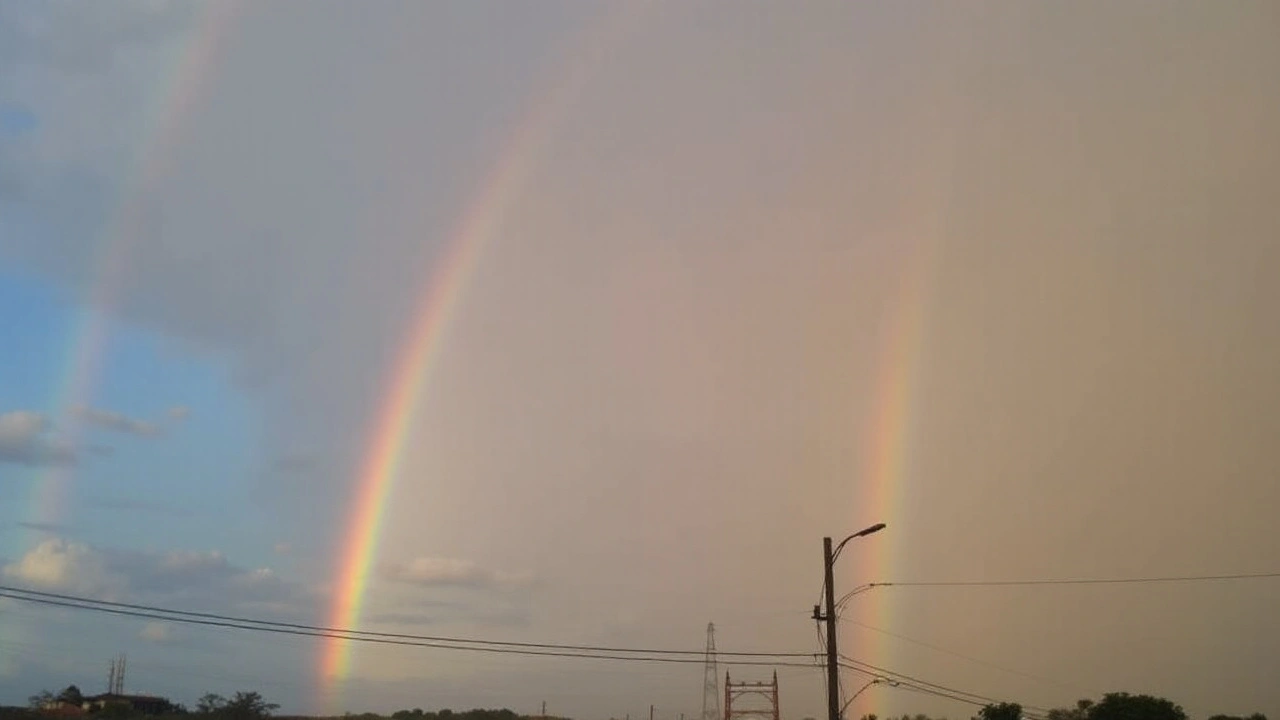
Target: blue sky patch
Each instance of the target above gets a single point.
(16, 119)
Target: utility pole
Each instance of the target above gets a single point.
(834, 711)
(650, 712)
(833, 668)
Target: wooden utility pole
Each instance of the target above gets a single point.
(833, 669)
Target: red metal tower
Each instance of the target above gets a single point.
(736, 693)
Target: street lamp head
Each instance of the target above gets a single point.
(867, 531)
(861, 533)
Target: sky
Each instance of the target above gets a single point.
(584, 323)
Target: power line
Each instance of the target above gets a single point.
(231, 622)
(962, 656)
(958, 698)
(874, 670)
(1084, 581)
(398, 636)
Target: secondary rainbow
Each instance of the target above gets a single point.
(178, 93)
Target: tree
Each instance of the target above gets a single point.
(1079, 712)
(1255, 716)
(40, 699)
(1123, 706)
(210, 703)
(247, 706)
(1001, 711)
(71, 695)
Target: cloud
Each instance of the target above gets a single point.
(179, 579)
(135, 505)
(81, 40)
(402, 618)
(282, 548)
(25, 439)
(59, 565)
(179, 413)
(157, 632)
(116, 422)
(44, 527)
(416, 614)
(315, 318)
(448, 572)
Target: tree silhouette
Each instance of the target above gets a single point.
(71, 695)
(247, 706)
(1123, 706)
(1001, 711)
(210, 703)
(40, 699)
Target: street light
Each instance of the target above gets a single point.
(861, 533)
(834, 711)
(873, 681)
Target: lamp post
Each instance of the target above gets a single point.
(873, 681)
(833, 668)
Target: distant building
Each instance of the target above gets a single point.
(143, 704)
(62, 708)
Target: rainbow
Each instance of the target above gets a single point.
(179, 95)
(887, 440)
(410, 371)
(886, 443)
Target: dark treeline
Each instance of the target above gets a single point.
(71, 704)
(1112, 706)
(252, 706)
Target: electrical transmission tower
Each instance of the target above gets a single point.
(115, 676)
(735, 693)
(711, 679)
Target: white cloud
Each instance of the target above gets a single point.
(282, 548)
(186, 561)
(116, 422)
(59, 565)
(449, 572)
(174, 579)
(25, 439)
(179, 413)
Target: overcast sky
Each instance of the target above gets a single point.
(1000, 275)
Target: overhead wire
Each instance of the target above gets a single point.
(229, 622)
(348, 633)
(1085, 581)
(962, 656)
(874, 670)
